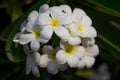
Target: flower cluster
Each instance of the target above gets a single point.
(57, 38)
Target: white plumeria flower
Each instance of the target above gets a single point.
(49, 60)
(32, 33)
(53, 20)
(26, 25)
(73, 29)
(70, 54)
(32, 62)
(82, 24)
(88, 59)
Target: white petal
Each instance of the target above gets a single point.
(62, 33)
(93, 50)
(44, 19)
(81, 64)
(55, 12)
(89, 61)
(47, 32)
(26, 38)
(32, 16)
(86, 21)
(63, 67)
(23, 24)
(44, 60)
(28, 60)
(37, 57)
(43, 8)
(29, 64)
(72, 61)
(29, 26)
(28, 70)
(79, 51)
(78, 11)
(35, 45)
(35, 71)
(36, 28)
(77, 15)
(66, 19)
(73, 29)
(42, 40)
(47, 49)
(16, 38)
(61, 57)
(52, 67)
(74, 41)
(66, 8)
(90, 32)
(28, 67)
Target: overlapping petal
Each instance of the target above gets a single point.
(32, 16)
(43, 8)
(35, 45)
(86, 21)
(25, 38)
(44, 19)
(55, 12)
(44, 60)
(52, 67)
(72, 61)
(61, 57)
(89, 61)
(93, 50)
(62, 33)
(35, 71)
(66, 8)
(74, 41)
(47, 32)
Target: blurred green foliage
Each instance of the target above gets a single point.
(105, 15)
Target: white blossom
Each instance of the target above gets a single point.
(54, 20)
(89, 57)
(75, 34)
(82, 24)
(50, 60)
(70, 54)
(32, 33)
(32, 62)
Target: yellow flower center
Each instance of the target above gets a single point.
(37, 34)
(69, 49)
(54, 23)
(80, 28)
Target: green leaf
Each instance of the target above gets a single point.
(84, 73)
(103, 7)
(13, 52)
